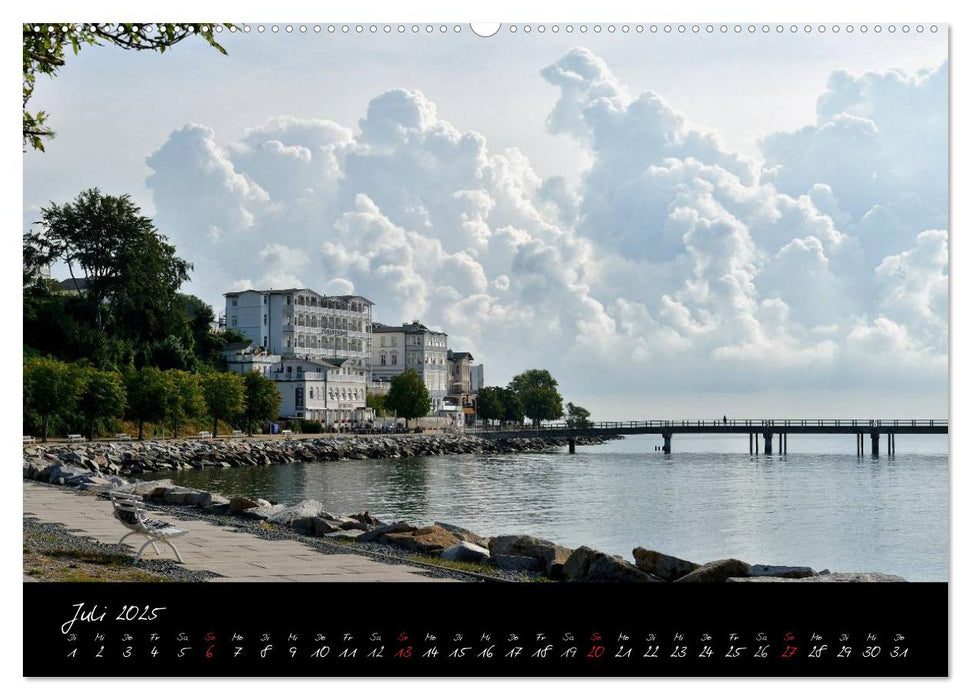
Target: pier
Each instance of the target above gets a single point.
(774, 433)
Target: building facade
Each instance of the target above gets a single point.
(476, 378)
(329, 391)
(396, 349)
(301, 322)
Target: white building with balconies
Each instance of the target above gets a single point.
(396, 349)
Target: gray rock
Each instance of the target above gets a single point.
(823, 578)
(304, 509)
(263, 512)
(512, 562)
(586, 564)
(182, 495)
(68, 474)
(664, 566)
(716, 572)
(304, 525)
(466, 552)
(780, 571)
(552, 555)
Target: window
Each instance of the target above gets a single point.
(235, 302)
(289, 301)
(264, 341)
(298, 397)
(265, 301)
(264, 319)
(234, 321)
(394, 359)
(384, 359)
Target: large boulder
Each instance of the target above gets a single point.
(68, 474)
(466, 552)
(431, 540)
(301, 511)
(238, 504)
(465, 535)
(550, 554)
(716, 572)
(664, 566)
(780, 571)
(325, 526)
(379, 534)
(586, 564)
(263, 512)
(184, 496)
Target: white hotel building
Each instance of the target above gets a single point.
(412, 346)
(316, 348)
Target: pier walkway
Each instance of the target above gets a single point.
(765, 428)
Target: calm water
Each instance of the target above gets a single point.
(819, 506)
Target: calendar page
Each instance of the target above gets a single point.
(419, 349)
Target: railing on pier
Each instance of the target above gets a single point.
(731, 422)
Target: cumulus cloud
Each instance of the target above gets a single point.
(673, 264)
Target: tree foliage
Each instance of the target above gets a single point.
(537, 391)
(148, 396)
(577, 416)
(51, 389)
(102, 397)
(500, 404)
(45, 46)
(408, 396)
(183, 399)
(377, 403)
(225, 396)
(262, 400)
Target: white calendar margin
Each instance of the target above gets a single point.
(829, 11)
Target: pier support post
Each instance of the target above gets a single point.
(875, 444)
(667, 442)
(784, 443)
(750, 443)
(768, 442)
(859, 444)
(892, 443)
(573, 445)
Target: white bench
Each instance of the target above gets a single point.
(28, 439)
(130, 512)
(122, 436)
(205, 434)
(286, 432)
(75, 437)
(237, 433)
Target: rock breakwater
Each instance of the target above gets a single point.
(53, 461)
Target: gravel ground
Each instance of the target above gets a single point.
(53, 541)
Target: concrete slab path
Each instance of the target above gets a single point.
(235, 556)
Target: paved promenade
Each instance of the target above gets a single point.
(235, 556)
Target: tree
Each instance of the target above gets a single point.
(262, 400)
(44, 46)
(225, 396)
(408, 396)
(489, 405)
(512, 407)
(148, 396)
(536, 389)
(183, 399)
(102, 396)
(51, 388)
(577, 416)
(376, 402)
(130, 271)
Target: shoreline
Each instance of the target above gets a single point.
(519, 556)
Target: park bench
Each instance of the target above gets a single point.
(286, 432)
(130, 512)
(122, 436)
(205, 434)
(237, 433)
(76, 437)
(28, 439)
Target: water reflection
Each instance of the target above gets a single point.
(827, 510)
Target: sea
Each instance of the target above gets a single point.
(819, 506)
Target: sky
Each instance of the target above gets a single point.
(748, 224)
